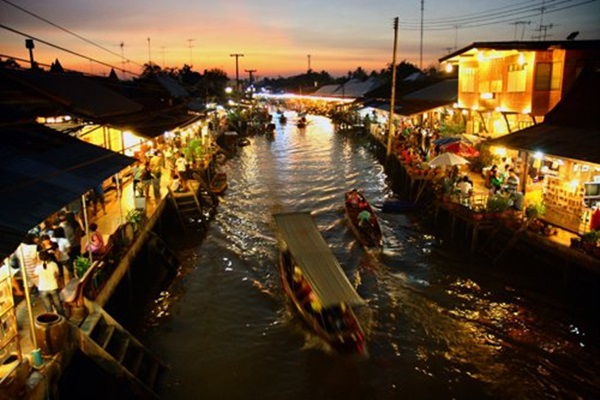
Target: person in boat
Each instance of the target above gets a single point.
(314, 303)
(300, 285)
(353, 198)
(364, 218)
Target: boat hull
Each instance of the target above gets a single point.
(218, 183)
(347, 341)
(368, 236)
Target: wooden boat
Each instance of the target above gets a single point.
(368, 234)
(218, 183)
(317, 285)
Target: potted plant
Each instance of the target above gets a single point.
(535, 210)
(82, 263)
(497, 204)
(135, 217)
(589, 241)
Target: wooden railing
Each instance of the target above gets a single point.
(97, 275)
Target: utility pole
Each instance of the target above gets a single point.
(393, 94)
(250, 72)
(30, 45)
(237, 70)
(309, 69)
(421, 46)
(123, 57)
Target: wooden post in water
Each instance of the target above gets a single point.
(393, 92)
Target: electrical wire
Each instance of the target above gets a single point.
(476, 14)
(67, 50)
(484, 21)
(71, 32)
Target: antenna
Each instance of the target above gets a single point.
(190, 46)
(149, 53)
(520, 23)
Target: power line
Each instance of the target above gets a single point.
(505, 19)
(477, 14)
(67, 31)
(66, 50)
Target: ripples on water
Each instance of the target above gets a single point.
(437, 328)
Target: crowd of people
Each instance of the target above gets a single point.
(47, 255)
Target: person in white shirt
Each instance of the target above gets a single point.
(181, 166)
(466, 188)
(47, 273)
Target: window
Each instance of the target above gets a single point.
(467, 80)
(517, 78)
(548, 76)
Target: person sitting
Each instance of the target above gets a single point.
(175, 183)
(353, 198)
(364, 218)
(315, 304)
(95, 243)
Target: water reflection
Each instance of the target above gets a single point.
(437, 327)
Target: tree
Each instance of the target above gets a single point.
(150, 69)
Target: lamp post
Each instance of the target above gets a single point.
(393, 94)
(30, 45)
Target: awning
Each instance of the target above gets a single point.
(42, 170)
(315, 258)
(560, 141)
(153, 123)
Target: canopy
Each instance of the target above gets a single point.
(446, 139)
(43, 170)
(447, 159)
(460, 149)
(316, 260)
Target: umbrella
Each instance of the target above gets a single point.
(461, 149)
(446, 140)
(447, 159)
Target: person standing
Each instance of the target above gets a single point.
(181, 165)
(136, 173)
(48, 276)
(156, 171)
(63, 256)
(512, 182)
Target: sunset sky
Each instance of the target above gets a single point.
(275, 37)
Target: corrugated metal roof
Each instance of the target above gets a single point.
(525, 45)
(43, 170)
(444, 91)
(172, 86)
(315, 258)
(76, 93)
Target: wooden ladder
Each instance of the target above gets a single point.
(189, 209)
(118, 352)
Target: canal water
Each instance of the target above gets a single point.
(439, 323)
